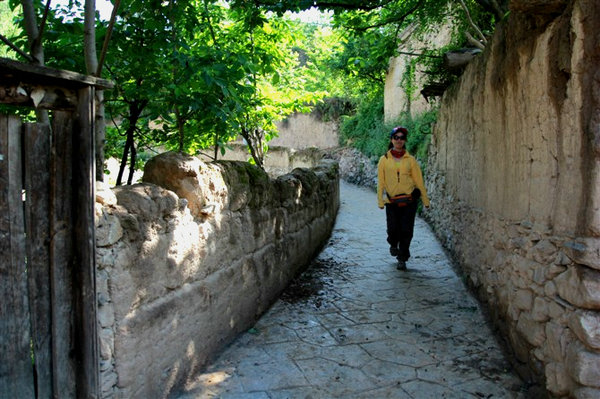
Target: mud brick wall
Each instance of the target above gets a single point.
(193, 256)
(514, 174)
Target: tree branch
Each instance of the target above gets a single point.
(481, 35)
(111, 24)
(209, 22)
(43, 22)
(332, 5)
(16, 49)
(419, 54)
(363, 6)
(396, 19)
(474, 41)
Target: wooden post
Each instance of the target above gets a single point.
(61, 259)
(16, 371)
(36, 144)
(84, 175)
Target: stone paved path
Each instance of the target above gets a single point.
(355, 327)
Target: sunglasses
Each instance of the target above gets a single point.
(395, 137)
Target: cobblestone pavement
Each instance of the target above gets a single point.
(352, 326)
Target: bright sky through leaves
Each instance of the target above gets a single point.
(312, 15)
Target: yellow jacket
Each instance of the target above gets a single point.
(399, 177)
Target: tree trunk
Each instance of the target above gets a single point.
(128, 145)
(33, 33)
(254, 142)
(35, 47)
(132, 162)
(91, 66)
(135, 110)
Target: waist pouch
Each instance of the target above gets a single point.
(401, 200)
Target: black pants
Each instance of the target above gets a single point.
(400, 227)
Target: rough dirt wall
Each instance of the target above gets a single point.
(514, 173)
(278, 160)
(399, 98)
(301, 131)
(194, 255)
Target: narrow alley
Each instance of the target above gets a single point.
(352, 326)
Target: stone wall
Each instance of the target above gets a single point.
(514, 176)
(193, 256)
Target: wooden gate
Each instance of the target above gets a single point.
(48, 327)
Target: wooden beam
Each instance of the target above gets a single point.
(460, 58)
(38, 96)
(11, 68)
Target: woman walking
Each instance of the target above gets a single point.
(399, 187)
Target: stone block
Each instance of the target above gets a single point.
(558, 381)
(540, 274)
(107, 343)
(108, 381)
(531, 330)
(555, 310)
(524, 267)
(106, 315)
(523, 299)
(555, 270)
(550, 289)
(518, 243)
(105, 364)
(513, 312)
(540, 310)
(580, 286)
(544, 252)
(555, 349)
(585, 251)
(102, 287)
(586, 393)
(179, 173)
(562, 259)
(147, 201)
(586, 326)
(583, 365)
(108, 229)
(104, 194)
(519, 345)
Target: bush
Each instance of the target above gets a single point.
(367, 131)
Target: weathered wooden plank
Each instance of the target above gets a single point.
(36, 143)
(61, 259)
(42, 97)
(85, 250)
(45, 75)
(16, 371)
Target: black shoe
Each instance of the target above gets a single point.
(401, 265)
(394, 251)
